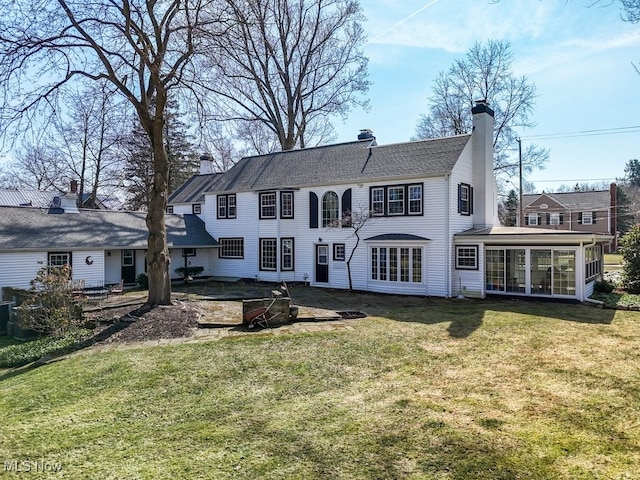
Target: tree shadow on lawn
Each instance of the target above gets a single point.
(464, 316)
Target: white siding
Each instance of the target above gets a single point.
(19, 268)
(202, 258)
(112, 266)
(93, 273)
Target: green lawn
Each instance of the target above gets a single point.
(451, 389)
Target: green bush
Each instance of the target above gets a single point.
(603, 287)
(189, 271)
(630, 250)
(143, 281)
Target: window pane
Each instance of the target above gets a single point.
(404, 264)
(374, 263)
(231, 206)
(287, 254)
(222, 206)
(516, 270)
(494, 270)
(396, 200)
(417, 265)
(564, 272)
(329, 209)
(231, 247)
(377, 200)
(287, 204)
(541, 272)
(268, 205)
(383, 263)
(415, 199)
(268, 253)
(393, 264)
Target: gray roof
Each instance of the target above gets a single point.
(343, 163)
(40, 199)
(36, 229)
(194, 188)
(396, 236)
(31, 198)
(592, 199)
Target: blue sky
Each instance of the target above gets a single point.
(580, 58)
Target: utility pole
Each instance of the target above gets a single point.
(519, 140)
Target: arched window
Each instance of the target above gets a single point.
(330, 209)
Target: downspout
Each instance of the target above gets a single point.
(447, 182)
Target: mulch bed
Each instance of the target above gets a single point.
(131, 324)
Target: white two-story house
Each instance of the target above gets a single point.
(431, 222)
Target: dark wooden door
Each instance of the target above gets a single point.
(129, 266)
(322, 263)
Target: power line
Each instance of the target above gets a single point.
(584, 133)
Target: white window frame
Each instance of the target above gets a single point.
(268, 254)
(339, 252)
(587, 216)
(533, 219)
(267, 205)
(286, 206)
(554, 219)
(377, 201)
(467, 257)
(287, 254)
(231, 247)
(398, 201)
(415, 199)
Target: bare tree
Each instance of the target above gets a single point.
(356, 220)
(143, 48)
(285, 66)
(485, 73)
(36, 166)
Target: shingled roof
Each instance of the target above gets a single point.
(35, 229)
(343, 163)
(194, 188)
(589, 200)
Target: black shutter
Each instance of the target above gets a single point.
(593, 217)
(548, 219)
(346, 208)
(580, 218)
(459, 198)
(539, 219)
(526, 219)
(561, 219)
(470, 199)
(313, 210)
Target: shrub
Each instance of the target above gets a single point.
(49, 306)
(143, 281)
(603, 287)
(630, 250)
(189, 271)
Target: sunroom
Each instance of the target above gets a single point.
(529, 262)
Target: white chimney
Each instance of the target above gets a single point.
(206, 164)
(69, 203)
(485, 195)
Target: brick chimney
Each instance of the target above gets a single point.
(485, 197)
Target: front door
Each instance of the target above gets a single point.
(129, 266)
(322, 263)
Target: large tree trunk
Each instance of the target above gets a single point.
(158, 259)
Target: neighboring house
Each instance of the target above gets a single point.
(432, 230)
(590, 211)
(39, 199)
(102, 246)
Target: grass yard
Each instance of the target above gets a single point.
(449, 389)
